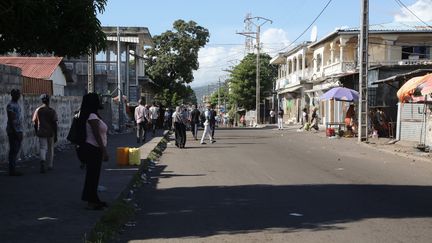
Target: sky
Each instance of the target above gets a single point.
(225, 18)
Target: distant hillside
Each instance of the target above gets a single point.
(202, 91)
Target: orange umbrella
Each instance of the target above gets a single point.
(406, 92)
(426, 87)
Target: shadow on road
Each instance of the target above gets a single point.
(211, 210)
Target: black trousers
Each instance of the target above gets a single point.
(180, 134)
(92, 157)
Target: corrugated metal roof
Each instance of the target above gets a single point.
(396, 27)
(33, 67)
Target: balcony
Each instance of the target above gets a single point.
(339, 67)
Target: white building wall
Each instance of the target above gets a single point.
(59, 82)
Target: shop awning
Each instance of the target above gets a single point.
(404, 76)
(290, 89)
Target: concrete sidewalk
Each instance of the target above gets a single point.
(48, 208)
(406, 149)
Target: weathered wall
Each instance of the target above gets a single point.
(10, 78)
(64, 106)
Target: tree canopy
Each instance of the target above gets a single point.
(243, 80)
(59, 27)
(174, 57)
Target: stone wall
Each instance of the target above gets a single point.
(64, 106)
(10, 78)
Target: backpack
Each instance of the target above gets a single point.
(77, 135)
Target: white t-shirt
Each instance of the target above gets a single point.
(154, 112)
(103, 128)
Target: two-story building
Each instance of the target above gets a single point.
(394, 48)
(294, 72)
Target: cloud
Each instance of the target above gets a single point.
(213, 60)
(421, 8)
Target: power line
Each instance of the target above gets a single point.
(401, 4)
(313, 22)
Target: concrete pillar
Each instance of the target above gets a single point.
(332, 52)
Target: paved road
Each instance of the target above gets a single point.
(284, 186)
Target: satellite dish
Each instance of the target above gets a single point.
(314, 33)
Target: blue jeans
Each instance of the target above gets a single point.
(14, 147)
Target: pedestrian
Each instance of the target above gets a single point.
(45, 122)
(280, 119)
(272, 116)
(167, 119)
(207, 129)
(154, 115)
(14, 130)
(179, 128)
(141, 119)
(305, 120)
(315, 119)
(94, 149)
(212, 121)
(194, 120)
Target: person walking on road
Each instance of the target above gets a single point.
(207, 129)
(212, 121)
(179, 128)
(141, 119)
(14, 130)
(94, 149)
(280, 119)
(45, 122)
(195, 119)
(154, 115)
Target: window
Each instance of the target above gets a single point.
(415, 52)
(318, 62)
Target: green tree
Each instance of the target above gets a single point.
(174, 58)
(59, 27)
(224, 96)
(243, 80)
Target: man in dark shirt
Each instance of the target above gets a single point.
(212, 121)
(45, 121)
(194, 120)
(14, 130)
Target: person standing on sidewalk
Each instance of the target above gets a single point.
(94, 149)
(272, 116)
(45, 122)
(280, 119)
(315, 119)
(14, 130)
(195, 119)
(154, 115)
(207, 129)
(141, 119)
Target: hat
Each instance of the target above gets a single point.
(44, 97)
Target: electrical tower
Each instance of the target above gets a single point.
(249, 47)
(257, 22)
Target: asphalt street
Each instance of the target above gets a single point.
(261, 185)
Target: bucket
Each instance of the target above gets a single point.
(330, 132)
(122, 156)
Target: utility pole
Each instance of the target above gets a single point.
(259, 21)
(219, 87)
(363, 73)
(91, 72)
(119, 84)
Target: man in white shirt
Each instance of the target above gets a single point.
(154, 115)
(207, 129)
(141, 119)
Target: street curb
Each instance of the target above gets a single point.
(123, 208)
(400, 154)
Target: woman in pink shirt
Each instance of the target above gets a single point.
(94, 149)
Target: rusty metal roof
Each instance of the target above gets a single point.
(33, 67)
